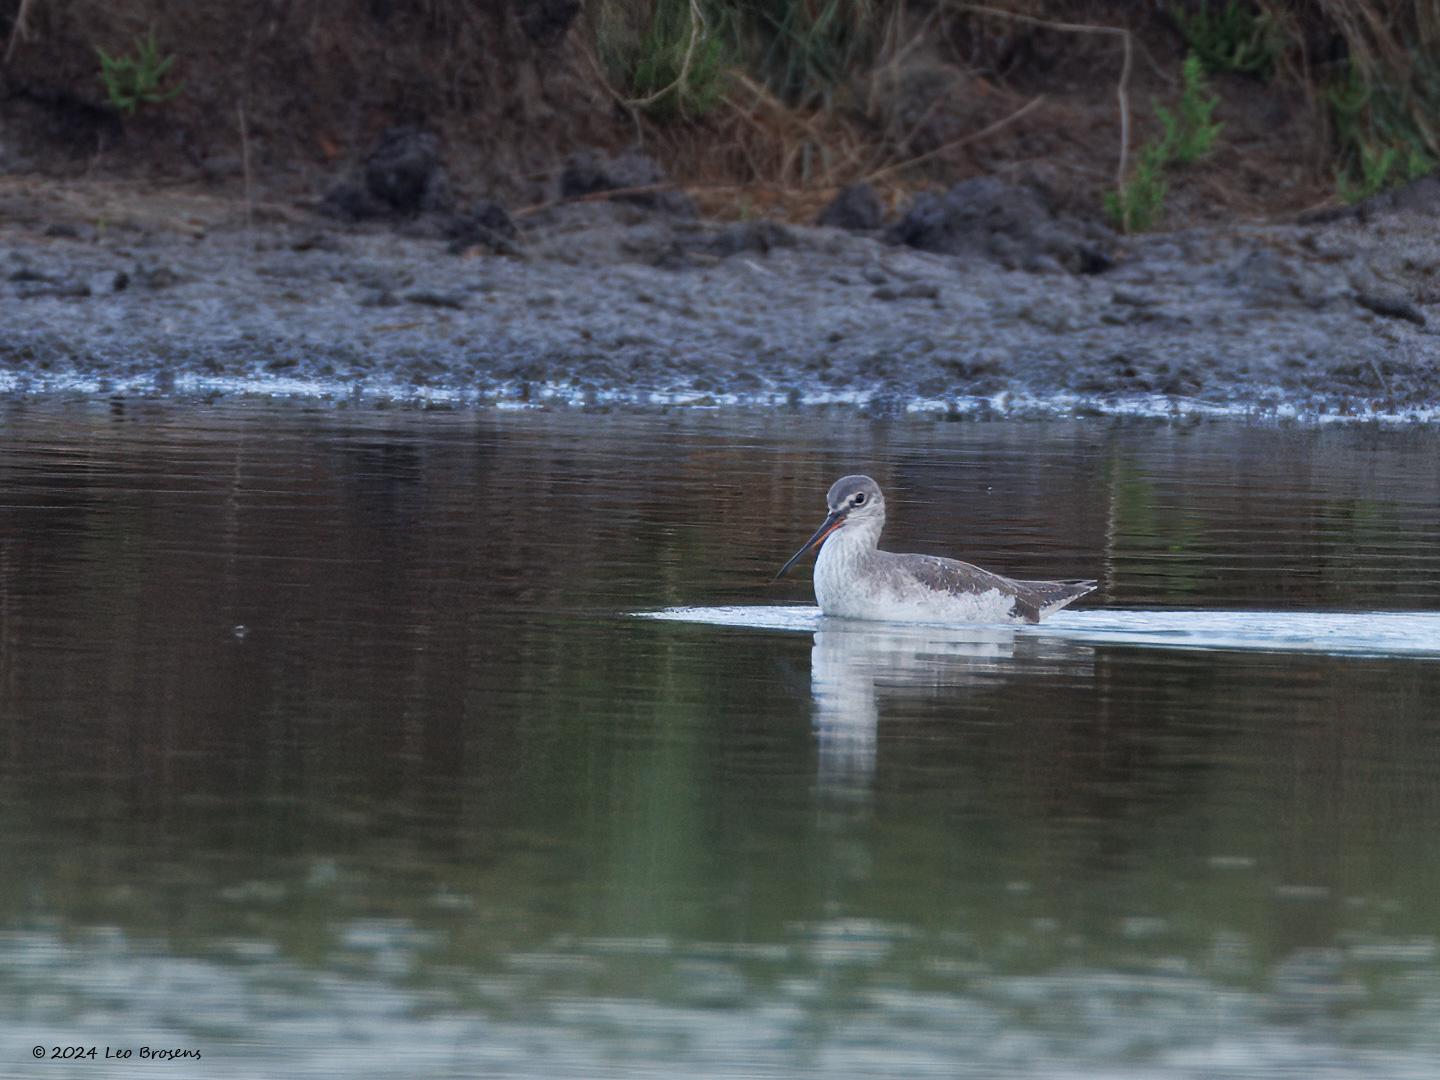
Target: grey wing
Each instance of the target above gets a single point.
(958, 578)
(1033, 599)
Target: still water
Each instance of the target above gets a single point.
(330, 746)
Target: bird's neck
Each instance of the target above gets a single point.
(854, 539)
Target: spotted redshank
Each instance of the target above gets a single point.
(854, 579)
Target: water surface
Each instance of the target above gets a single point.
(330, 747)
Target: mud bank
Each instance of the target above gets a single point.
(112, 290)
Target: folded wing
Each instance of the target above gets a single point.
(1033, 599)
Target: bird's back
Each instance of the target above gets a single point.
(1027, 600)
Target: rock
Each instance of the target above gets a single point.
(590, 173)
(33, 283)
(402, 176)
(1389, 301)
(918, 290)
(1420, 196)
(157, 277)
(1010, 225)
(494, 219)
(349, 200)
(757, 237)
(405, 173)
(856, 208)
(489, 225)
(64, 230)
(431, 298)
(57, 288)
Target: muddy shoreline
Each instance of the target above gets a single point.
(116, 290)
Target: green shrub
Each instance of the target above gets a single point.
(1191, 133)
(134, 80)
(1188, 135)
(804, 51)
(1381, 128)
(801, 51)
(1135, 205)
(660, 62)
(1238, 38)
(1380, 167)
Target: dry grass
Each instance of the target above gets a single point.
(815, 94)
(793, 149)
(906, 111)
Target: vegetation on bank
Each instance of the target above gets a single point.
(756, 106)
(818, 93)
(135, 78)
(1188, 135)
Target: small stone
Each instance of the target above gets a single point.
(431, 298)
(856, 208)
(1390, 302)
(633, 175)
(916, 290)
(488, 225)
(316, 241)
(348, 200)
(158, 277)
(757, 237)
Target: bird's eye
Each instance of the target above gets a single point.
(859, 499)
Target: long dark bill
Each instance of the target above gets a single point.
(833, 521)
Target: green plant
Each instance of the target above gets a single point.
(804, 51)
(1237, 38)
(1378, 170)
(1187, 135)
(1381, 127)
(1135, 205)
(134, 80)
(662, 62)
(1191, 133)
(669, 55)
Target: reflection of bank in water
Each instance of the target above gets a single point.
(854, 666)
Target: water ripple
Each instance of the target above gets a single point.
(1336, 633)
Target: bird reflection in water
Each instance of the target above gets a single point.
(854, 666)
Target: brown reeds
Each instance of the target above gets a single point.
(794, 150)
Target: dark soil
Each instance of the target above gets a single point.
(113, 289)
